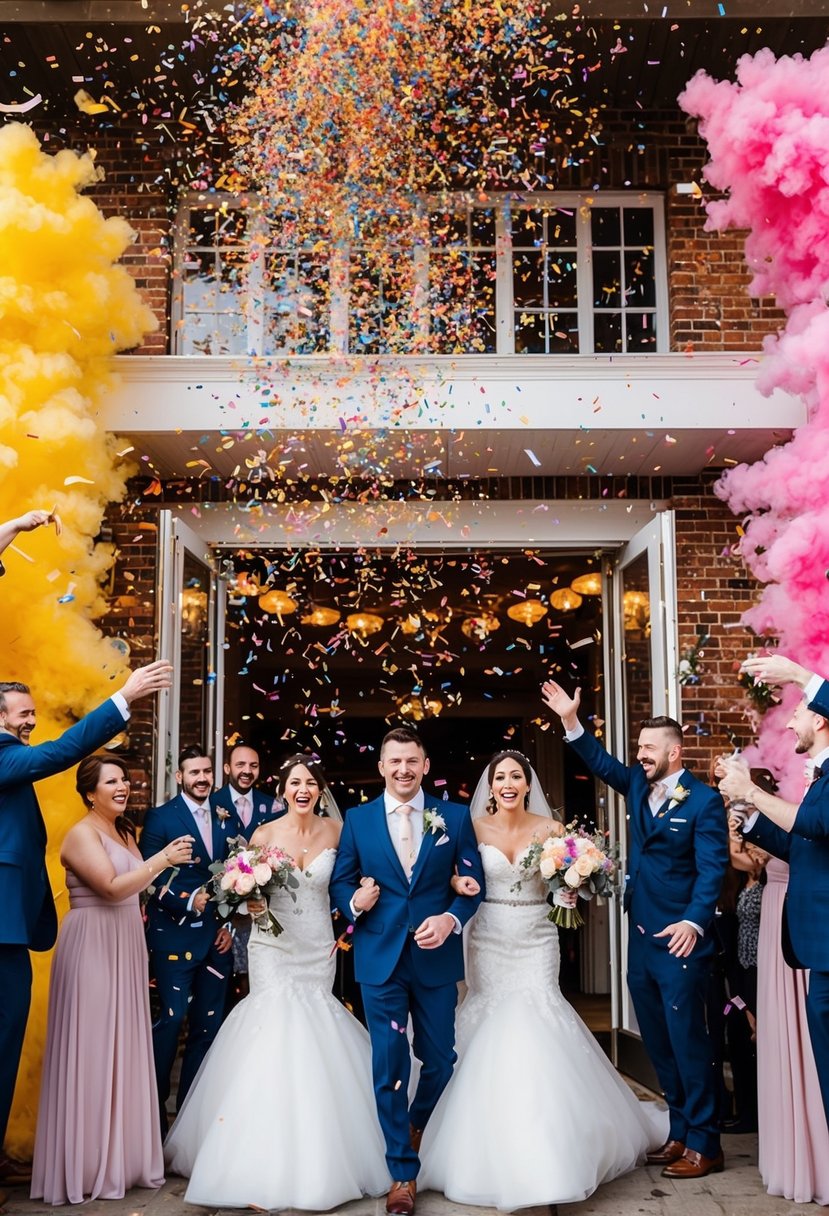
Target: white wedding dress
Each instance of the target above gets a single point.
(535, 1113)
(282, 1113)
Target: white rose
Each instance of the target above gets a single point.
(584, 866)
(228, 880)
(572, 877)
(262, 873)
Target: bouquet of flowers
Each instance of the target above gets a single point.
(252, 873)
(579, 861)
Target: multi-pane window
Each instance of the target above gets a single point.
(533, 274)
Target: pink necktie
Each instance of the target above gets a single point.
(244, 808)
(405, 841)
(657, 796)
(202, 817)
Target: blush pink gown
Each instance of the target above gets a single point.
(98, 1129)
(794, 1140)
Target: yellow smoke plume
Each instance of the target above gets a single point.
(65, 309)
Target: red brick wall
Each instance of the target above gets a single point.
(710, 308)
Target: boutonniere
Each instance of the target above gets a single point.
(222, 815)
(678, 797)
(434, 823)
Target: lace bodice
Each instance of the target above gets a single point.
(302, 954)
(512, 947)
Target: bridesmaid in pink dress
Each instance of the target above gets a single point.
(794, 1140)
(98, 1124)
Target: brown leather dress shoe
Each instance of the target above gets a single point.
(693, 1165)
(415, 1137)
(401, 1198)
(670, 1151)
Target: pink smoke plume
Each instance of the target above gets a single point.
(768, 139)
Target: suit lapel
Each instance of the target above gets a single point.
(384, 835)
(427, 844)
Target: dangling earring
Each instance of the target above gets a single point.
(322, 805)
(492, 805)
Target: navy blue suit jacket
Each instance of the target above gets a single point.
(265, 809)
(806, 849)
(171, 928)
(366, 850)
(28, 910)
(676, 861)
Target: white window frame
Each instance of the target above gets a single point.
(504, 206)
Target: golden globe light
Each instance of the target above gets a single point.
(587, 584)
(245, 584)
(636, 607)
(277, 603)
(363, 623)
(319, 616)
(480, 626)
(527, 612)
(565, 599)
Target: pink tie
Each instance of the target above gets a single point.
(658, 794)
(202, 817)
(405, 842)
(244, 809)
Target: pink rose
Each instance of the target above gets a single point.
(261, 873)
(244, 884)
(228, 880)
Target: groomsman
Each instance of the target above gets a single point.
(29, 921)
(677, 855)
(800, 836)
(189, 948)
(248, 808)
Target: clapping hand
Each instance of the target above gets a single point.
(464, 884)
(735, 778)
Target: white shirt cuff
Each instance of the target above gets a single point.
(575, 733)
(121, 705)
(750, 821)
(693, 925)
(355, 912)
(813, 688)
(458, 926)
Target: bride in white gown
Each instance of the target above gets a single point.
(535, 1113)
(282, 1113)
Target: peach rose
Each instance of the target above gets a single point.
(585, 866)
(572, 876)
(261, 873)
(547, 867)
(244, 884)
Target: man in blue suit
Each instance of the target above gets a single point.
(677, 855)
(28, 921)
(243, 808)
(392, 879)
(248, 806)
(799, 835)
(189, 948)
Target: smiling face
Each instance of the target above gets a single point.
(111, 794)
(301, 790)
(243, 769)
(658, 753)
(196, 778)
(18, 718)
(509, 786)
(804, 724)
(403, 767)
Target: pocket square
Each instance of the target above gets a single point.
(444, 839)
(676, 820)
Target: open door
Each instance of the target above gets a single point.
(191, 629)
(641, 662)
